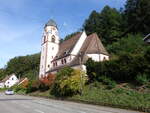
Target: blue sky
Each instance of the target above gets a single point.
(22, 21)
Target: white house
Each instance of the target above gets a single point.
(11, 80)
(2, 84)
(73, 52)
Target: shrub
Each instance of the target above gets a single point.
(68, 82)
(107, 81)
(142, 79)
(33, 86)
(46, 82)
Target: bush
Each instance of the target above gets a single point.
(142, 79)
(68, 82)
(33, 86)
(107, 81)
(46, 82)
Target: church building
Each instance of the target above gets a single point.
(73, 52)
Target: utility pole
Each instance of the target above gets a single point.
(81, 81)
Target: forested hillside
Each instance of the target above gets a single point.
(22, 66)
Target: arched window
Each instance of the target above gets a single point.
(65, 61)
(62, 61)
(53, 38)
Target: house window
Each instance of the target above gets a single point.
(12, 78)
(52, 57)
(52, 48)
(48, 66)
(53, 38)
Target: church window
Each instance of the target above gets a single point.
(62, 61)
(56, 63)
(48, 66)
(53, 38)
(44, 39)
(65, 61)
(12, 78)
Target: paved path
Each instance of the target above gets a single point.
(27, 104)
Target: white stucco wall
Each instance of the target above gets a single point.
(98, 57)
(11, 81)
(79, 44)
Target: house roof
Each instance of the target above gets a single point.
(66, 47)
(6, 78)
(92, 45)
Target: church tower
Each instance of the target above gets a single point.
(50, 47)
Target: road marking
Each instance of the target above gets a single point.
(39, 111)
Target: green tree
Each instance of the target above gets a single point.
(2, 73)
(24, 66)
(107, 24)
(137, 13)
(129, 44)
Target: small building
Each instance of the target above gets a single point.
(10, 80)
(2, 84)
(73, 52)
(147, 39)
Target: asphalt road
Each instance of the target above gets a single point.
(27, 104)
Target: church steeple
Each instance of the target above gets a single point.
(50, 46)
